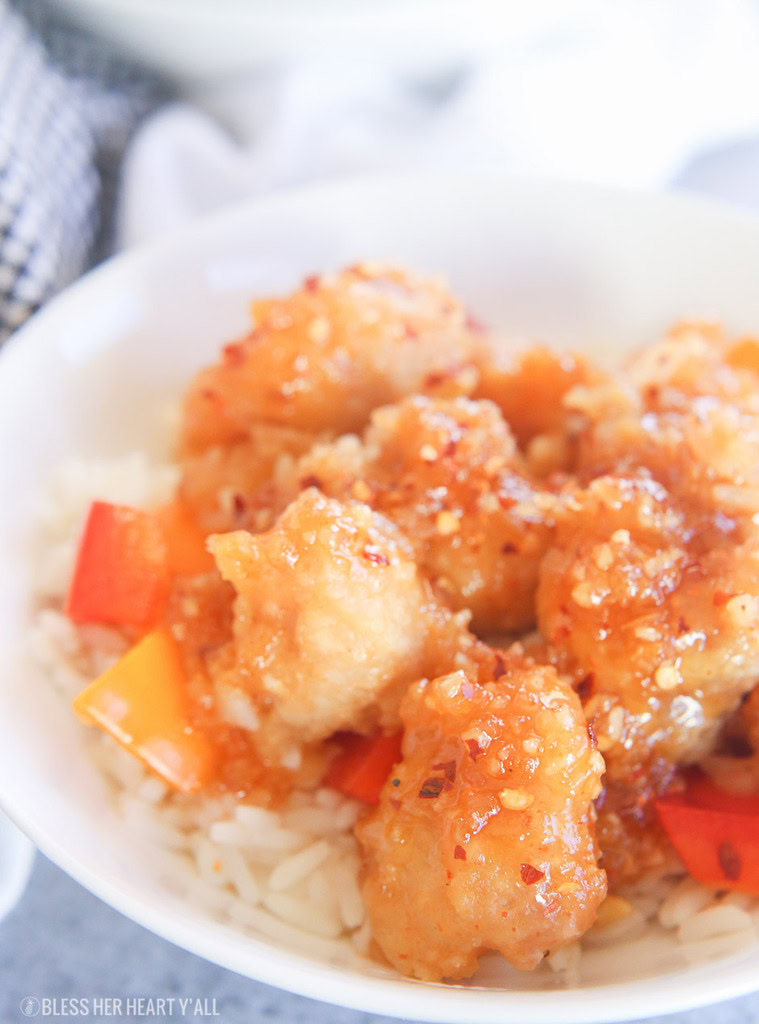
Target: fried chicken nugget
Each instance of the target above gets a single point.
(531, 387)
(323, 358)
(447, 472)
(333, 621)
(225, 486)
(657, 615)
(686, 415)
(483, 839)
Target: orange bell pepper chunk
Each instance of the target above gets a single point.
(142, 702)
(363, 765)
(185, 541)
(121, 576)
(716, 834)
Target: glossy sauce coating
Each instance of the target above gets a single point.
(332, 621)
(199, 614)
(226, 486)
(658, 619)
(395, 464)
(323, 358)
(531, 386)
(484, 835)
(447, 473)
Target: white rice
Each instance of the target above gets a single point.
(292, 874)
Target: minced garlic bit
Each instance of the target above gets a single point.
(428, 453)
(494, 463)
(620, 537)
(613, 909)
(467, 378)
(568, 887)
(647, 633)
(319, 329)
(447, 523)
(667, 677)
(603, 556)
(515, 799)
(743, 609)
(610, 730)
(583, 594)
(361, 491)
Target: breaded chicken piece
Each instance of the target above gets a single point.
(483, 839)
(333, 621)
(447, 472)
(323, 358)
(657, 615)
(225, 486)
(696, 360)
(530, 386)
(686, 415)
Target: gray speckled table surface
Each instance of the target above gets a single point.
(62, 942)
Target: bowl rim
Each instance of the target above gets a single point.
(295, 972)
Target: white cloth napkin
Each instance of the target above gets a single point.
(629, 94)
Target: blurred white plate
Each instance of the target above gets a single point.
(16, 859)
(598, 269)
(208, 40)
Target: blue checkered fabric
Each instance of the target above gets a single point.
(67, 109)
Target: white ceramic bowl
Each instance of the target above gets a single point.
(597, 269)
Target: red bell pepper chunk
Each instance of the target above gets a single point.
(363, 765)
(121, 576)
(716, 833)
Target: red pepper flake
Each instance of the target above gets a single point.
(730, 861)
(375, 555)
(311, 283)
(395, 803)
(431, 788)
(432, 380)
(239, 505)
(474, 324)
(682, 626)
(530, 875)
(720, 597)
(311, 481)
(459, 853)
(211, 396)
(585, 686)
(448, 768)
(450, 448)
(411, 332)
(499, 668)
(474, 749)
(468, 689)
(234, 354)
(508, 548)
